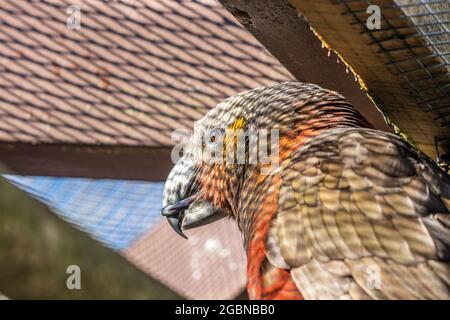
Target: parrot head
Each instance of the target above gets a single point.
(185, 203)
(198, 191)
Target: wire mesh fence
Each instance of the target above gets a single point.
(414, 39)
(115, 212)
(432, 19)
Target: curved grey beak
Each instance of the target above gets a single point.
(174, 212)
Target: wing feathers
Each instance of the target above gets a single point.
(357, 223)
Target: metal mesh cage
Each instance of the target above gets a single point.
(414, 40)
(116, 212)
(432, 19)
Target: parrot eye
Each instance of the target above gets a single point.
(216, 134)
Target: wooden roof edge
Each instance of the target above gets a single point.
(288, 37)
(87, 161)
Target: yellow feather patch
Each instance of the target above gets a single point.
(239, 123)
(231, 136)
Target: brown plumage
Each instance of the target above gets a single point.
(350, 213)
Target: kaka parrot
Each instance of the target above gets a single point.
(349, 212)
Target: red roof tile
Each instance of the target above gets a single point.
(131, 75)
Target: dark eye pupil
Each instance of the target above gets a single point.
(215, 134)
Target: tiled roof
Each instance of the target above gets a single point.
(134, 72)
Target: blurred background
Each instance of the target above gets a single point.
(91, 91)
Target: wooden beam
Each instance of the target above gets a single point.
(36, 248)
(130, 163)
(287, 36)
